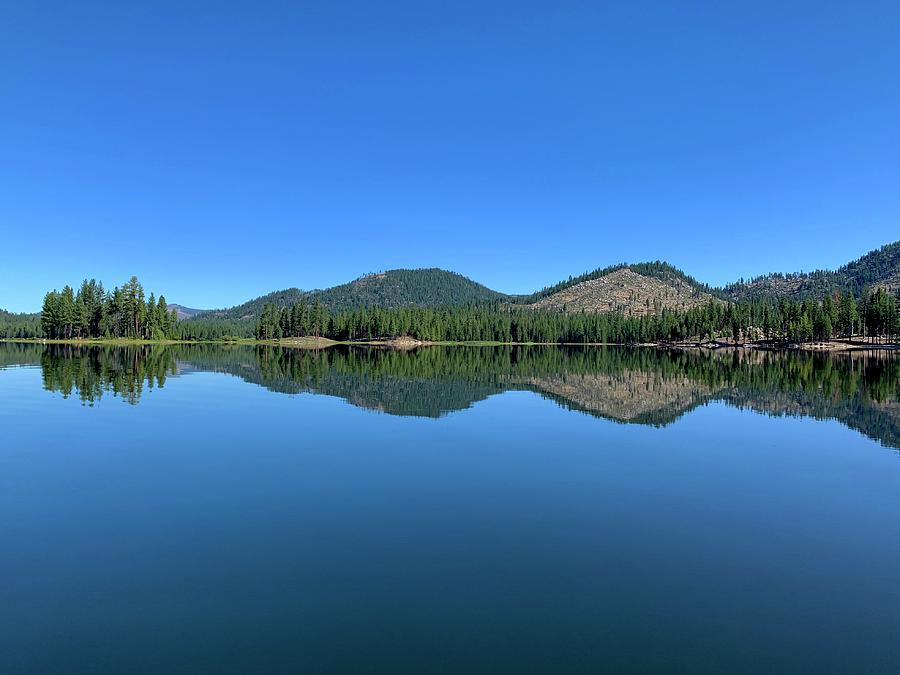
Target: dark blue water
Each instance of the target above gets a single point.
(264, 511)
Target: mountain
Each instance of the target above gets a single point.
(399, 288)
(251, 309)
(394, 288)
(185, 312)
(879, 268)
(635, 290)
(648, 288)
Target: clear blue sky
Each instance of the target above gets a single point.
(222, 150)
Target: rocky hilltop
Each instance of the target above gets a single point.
(629, 292)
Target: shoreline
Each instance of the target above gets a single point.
(406, 343)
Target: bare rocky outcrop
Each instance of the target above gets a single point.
(629, 292)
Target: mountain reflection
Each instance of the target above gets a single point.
(640, 386)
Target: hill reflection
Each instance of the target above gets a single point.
(639, 386)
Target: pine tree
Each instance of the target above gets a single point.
(50, 319)
(164, 320)
(67, 312)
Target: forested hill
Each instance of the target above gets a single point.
(879, 268)
(649, 288)
(252, 309)
(387, 290)
(19, 325)
(642, 289)
(401, 288)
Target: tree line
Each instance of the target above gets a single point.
(93, 312)
(875, 316)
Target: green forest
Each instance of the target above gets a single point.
(874, 316)
(17, 326)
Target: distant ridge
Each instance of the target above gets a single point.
(878, 268)
(251, 309)
(185, 312)
(633, 288)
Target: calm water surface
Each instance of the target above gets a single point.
(530, 510)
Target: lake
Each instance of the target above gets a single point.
(448, 510)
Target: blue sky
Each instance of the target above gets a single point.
(222, 150)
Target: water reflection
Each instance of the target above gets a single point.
(641, 386)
